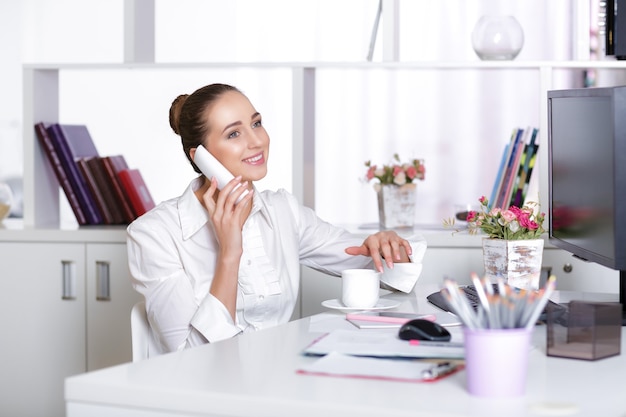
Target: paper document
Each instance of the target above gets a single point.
(381, 344)
(337, 364)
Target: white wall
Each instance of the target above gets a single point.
(458, 121)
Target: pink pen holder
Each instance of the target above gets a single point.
(496, 361)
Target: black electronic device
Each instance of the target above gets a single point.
(421, 329)
(438, 300)
(615, 28)
(587, 175)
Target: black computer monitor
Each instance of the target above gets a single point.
(587, 175)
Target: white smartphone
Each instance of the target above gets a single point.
(211, 167)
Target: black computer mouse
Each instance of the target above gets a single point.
(420, 329)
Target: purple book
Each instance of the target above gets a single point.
(73, 142)
(64, 182)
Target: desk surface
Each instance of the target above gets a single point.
(255, 375)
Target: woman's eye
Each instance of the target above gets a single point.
(257, 123)
(233, 135)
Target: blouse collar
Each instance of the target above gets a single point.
(193, 216)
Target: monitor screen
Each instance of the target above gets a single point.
(587, 198)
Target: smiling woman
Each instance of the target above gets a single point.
(216, 262)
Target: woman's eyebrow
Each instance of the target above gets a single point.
(237, 123)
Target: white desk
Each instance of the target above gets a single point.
(254, 375)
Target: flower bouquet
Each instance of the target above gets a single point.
(514, 223)
(396, 173)
(396, 191)
(513, 247)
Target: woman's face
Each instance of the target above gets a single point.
(237, 137)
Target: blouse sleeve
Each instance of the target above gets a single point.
(322, 247)
(177, 318)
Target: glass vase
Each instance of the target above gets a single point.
(6, 200)
(497, 38)
(396, 205)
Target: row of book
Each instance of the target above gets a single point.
(513, 180)
(101, 190)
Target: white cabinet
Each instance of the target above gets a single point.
(574, 274)
(43, 330)
(109, 298)
(52, 323)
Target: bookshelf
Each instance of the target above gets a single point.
(42, 92)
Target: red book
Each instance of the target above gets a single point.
(106, 188)
(59, 171)
(96, 192)
(137, 191)
(112, 165)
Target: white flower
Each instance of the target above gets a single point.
(400, 179)
(514, 226)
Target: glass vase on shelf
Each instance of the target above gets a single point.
(6, 200)
(497, 38)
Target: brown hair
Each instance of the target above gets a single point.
(187, 115)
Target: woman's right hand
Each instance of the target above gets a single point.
(228, 218)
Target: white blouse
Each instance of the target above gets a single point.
(172, 252)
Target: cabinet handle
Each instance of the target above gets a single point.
(68, 277)
(103, 282)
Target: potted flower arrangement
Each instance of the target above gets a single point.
(396, 190)
(514, 223)
(513, 247)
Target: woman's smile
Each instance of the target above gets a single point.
(257, 159)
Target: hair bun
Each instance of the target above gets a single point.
(175, 110)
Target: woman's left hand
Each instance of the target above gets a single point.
(385, 245)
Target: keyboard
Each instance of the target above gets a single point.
(438, 300)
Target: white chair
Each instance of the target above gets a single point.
(141, 335)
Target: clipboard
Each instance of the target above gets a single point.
(340, 365)
(381, 344)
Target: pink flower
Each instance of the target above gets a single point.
(508, 215)
(397, 169)
(528, 223)
(482, 199)
(411, 172)
(371, 172)
(471, 216)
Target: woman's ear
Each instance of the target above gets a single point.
(192, 153)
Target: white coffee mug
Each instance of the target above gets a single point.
(360, 288)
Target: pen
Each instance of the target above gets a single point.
(439, 370)
(415, 342)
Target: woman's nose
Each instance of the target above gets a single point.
(255, 138)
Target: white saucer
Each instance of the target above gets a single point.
(382, 304)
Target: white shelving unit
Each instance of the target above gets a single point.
(41, 102)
